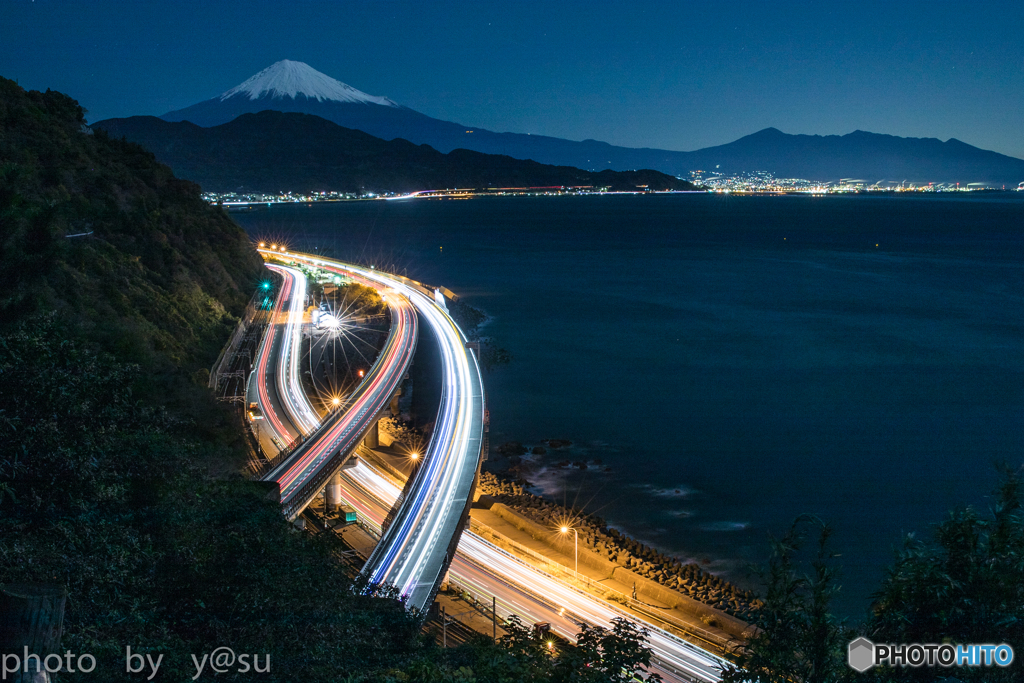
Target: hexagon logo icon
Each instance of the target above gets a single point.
(861, 655)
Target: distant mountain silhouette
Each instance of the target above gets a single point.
(275, 151)
(862, 155)
(296, 87)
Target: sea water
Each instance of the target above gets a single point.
(732, 362)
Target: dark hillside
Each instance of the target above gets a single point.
(159, 274)
(110, 443)
(272, 151)
(116, 479)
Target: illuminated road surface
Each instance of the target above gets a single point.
(521, 589)
(414, 550)
(304, 418)
(260, 389)
(305, 471)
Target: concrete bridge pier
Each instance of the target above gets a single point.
(372, 437)
(395, 410)
(333, 492)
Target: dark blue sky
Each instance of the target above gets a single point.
(676, 75)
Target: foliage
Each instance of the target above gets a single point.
(523, 654)
(154, 274)
(798, 639)
(602, 655)
(964, 587)
(116, 475)
(356, 297)
(106, 498)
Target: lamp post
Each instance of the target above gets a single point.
(576, 544)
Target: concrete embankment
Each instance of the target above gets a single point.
(685, 587)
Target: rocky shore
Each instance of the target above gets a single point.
(688, 579)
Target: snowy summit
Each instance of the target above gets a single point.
(291, 79)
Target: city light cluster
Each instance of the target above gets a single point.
(766, 182)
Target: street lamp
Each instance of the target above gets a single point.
(576, 543)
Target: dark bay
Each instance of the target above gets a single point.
(735, 361)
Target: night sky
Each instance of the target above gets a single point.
(676, 75)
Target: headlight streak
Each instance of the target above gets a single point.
(294, 398)
(409, 555)
(263, 357)
(369, 398)
(343, 430)
(520, 587)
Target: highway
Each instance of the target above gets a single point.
(304, 471)
(259, 389)
(479, 566)
(304, 418)
(486, 570)
(417, 547)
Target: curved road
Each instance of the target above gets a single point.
(304, 471)
(482, 567)
(260, 388)
(418, 546)
(520, 588)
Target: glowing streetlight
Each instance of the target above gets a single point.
(335, 401)
(565, 530)
(360, 373)
(414, 455)
(262, 244)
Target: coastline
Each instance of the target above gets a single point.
(617, 551)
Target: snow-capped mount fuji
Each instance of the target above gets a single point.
(290, 86)
(295, 87)
(292, 79)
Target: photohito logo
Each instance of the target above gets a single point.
(863, 654)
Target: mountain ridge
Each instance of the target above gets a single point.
(861, 154)
(272, 151)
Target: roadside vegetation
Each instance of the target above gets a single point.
(961, 585)
(119, 474)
